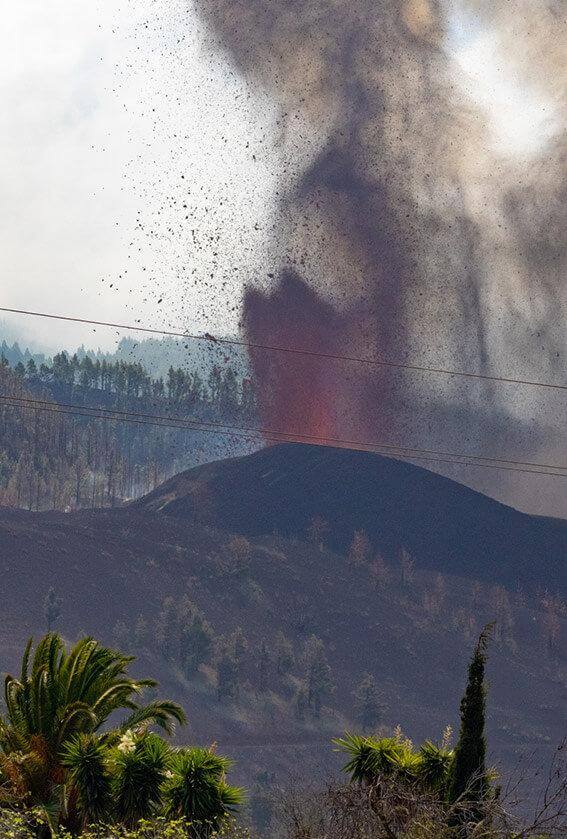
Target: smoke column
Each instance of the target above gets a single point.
(405, 233)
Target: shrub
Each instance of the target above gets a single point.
(61, 771)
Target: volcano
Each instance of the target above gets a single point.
(444, 525)
(114, 569)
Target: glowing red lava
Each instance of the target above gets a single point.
(300, 395)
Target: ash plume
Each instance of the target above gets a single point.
(404, 233)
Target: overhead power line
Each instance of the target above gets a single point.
(212, 339)
(189, 424)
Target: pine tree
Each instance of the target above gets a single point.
(141, 632)
(227, 676)
(167, 630)
(468, 781)
(359, 549)
(368, 708)
(319, 678)
(121, 634)
(238, 645)
(196, 639)
(406, 568)
(317, 529)
(300, 703)
(52, 609)
(283, 654)
(264, 663)
(240, 551)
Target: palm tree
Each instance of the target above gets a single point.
(197, 790)
(372, 758)
(141, 777)
(60, 696)
(85, 757)
(140, 770)
(435, 766)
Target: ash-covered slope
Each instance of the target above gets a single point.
(115, 570)
(443, 524)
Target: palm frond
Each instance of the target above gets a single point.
(435, 765)
(162, 713)
(371, 757)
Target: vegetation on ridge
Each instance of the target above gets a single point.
(65, 770)
(61, 759)
(60, 459)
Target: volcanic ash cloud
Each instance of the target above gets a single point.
(405, 232)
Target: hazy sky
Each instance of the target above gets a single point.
(115, 114)
(110, 114)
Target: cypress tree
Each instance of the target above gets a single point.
(468, 781)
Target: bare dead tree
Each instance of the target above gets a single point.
(547, 815)
(396, 808)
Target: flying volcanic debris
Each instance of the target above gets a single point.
(406, 231)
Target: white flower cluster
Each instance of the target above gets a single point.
(127, 742)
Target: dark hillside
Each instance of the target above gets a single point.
(138, 578)
(443, 525)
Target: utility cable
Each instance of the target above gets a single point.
(189, 424)
(212, 339)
